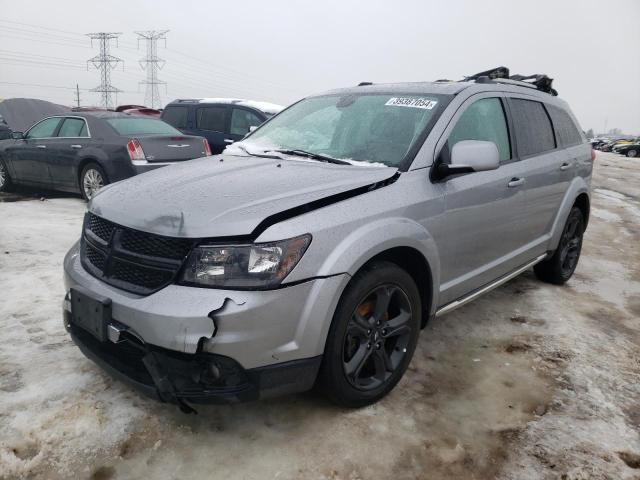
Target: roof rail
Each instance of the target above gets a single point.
(539, 82)
(365, 84)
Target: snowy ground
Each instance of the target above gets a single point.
(530, 381)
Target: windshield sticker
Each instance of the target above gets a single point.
(412, 102)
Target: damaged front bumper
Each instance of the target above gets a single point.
(187, 344)
(185, 379)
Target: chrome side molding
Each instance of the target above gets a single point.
(449, 307)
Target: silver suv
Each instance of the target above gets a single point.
(316, 249)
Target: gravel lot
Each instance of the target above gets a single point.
(530, 381)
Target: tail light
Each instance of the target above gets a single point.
(593, 155)
(135, 151)
(207, 148)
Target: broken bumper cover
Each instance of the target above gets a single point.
(179, 378)
(265, 342)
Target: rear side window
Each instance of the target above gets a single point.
(242, 120)
(73, 127)
(176, 116)
(566, 130)
(534, 132)
(141, 126)
(483, 120)
(211, 118)
(44, 129)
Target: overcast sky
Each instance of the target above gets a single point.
(281, 51)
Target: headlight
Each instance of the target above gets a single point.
(255, 266)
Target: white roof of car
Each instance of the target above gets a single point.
(265, 107)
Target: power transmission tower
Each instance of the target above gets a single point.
(151, 64)
(105, 62)
(77, 96)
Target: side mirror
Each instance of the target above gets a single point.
(477, 155)
(469, 156)
(17, 135)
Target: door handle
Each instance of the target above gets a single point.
(41, 146)
(565, 166)
(75, 146)
(228, 140)
(515, 182)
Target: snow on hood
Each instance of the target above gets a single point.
(224, 195)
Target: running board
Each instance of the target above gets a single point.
(472, 296)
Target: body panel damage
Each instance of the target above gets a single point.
(228, 196)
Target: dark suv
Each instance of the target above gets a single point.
(221, 121)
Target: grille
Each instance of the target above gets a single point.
(129, 259)
(153, 245)
(101, 227)
(139, 275)
(95, 257)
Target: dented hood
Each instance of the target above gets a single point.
(226, 195)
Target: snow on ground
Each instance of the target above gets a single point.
(530, 381)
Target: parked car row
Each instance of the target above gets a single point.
(624, 146)
(90, 147)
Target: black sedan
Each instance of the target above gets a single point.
(630, 149)
(82, 152)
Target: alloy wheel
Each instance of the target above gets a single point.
(570, 244)
(92, 182)
(377, 337)
(632, 153)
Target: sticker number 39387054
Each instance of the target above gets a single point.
(425, 103)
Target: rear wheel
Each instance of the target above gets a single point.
(632, 153)
(373, 335)
(92, 179)
(5, 179)
(560, 267)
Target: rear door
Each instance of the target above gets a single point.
(178, 117)
(549, 168)
(30, 156)
(480, 234)
(65, 150)
(212, 123)
(242, 119)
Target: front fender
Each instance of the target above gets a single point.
(361, 245)
(577, 186)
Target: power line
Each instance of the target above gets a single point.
(151, 64)
(104, 62)
(43, 85)
(26, 62)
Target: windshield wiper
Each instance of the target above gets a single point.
(311, 155)
(245, 150)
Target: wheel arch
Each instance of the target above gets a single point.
(584, 204)
(416, 265)
(83, 163)
(399, 240)
(577, 195)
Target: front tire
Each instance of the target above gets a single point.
(632, 153)
(5, 179)
(560, 267)
(92, 179)
(373, 335)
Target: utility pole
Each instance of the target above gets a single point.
(77, 96)
(104, 62)
(151, 64)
